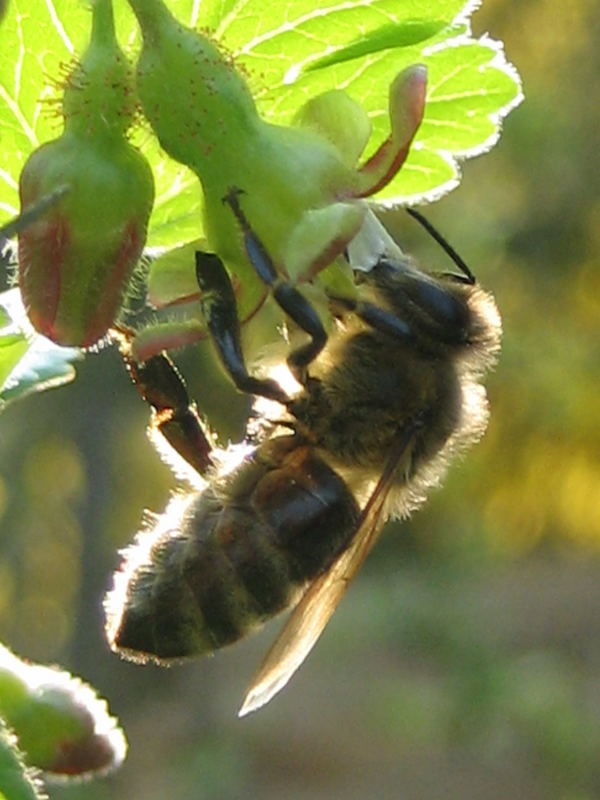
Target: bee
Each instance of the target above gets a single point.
(385, 400)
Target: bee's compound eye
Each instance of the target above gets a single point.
(446, 309)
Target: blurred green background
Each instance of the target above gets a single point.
(465, 660)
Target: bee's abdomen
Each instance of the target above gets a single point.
(238, 555)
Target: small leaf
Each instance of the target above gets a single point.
(171, 277)
(172, 280)
(411, 32)
(13, 347)
(28, 362)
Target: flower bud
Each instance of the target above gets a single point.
(62, 726)
(301, 183)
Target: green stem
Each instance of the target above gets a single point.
(198, 104)
(153, 16)
(103, 23)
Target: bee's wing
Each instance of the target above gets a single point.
(309, 618)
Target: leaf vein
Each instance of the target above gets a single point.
(59, 26)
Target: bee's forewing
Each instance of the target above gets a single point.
(313, 612)
(307, 621)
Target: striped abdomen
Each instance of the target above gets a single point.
(236, 556)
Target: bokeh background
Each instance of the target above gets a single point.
(465, 660)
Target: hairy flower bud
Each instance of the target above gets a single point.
(76, 260)
(61, 725)
(302, 186)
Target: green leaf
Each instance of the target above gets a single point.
(294, 36)
(172, 280)
(290, 51)
(34, 42)
(404, 34)
(471, 86)
(171, 276)
(13, 347)
(17, 782)
(28, 362)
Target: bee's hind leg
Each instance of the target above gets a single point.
(291, 301)
(174, 416)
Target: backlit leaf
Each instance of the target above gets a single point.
(289, 52)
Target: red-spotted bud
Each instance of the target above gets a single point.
(76, 260)
(303, 183)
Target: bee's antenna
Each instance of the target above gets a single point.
(446, 246)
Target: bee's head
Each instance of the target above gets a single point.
(436, 307)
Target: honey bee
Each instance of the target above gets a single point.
(385, 400)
